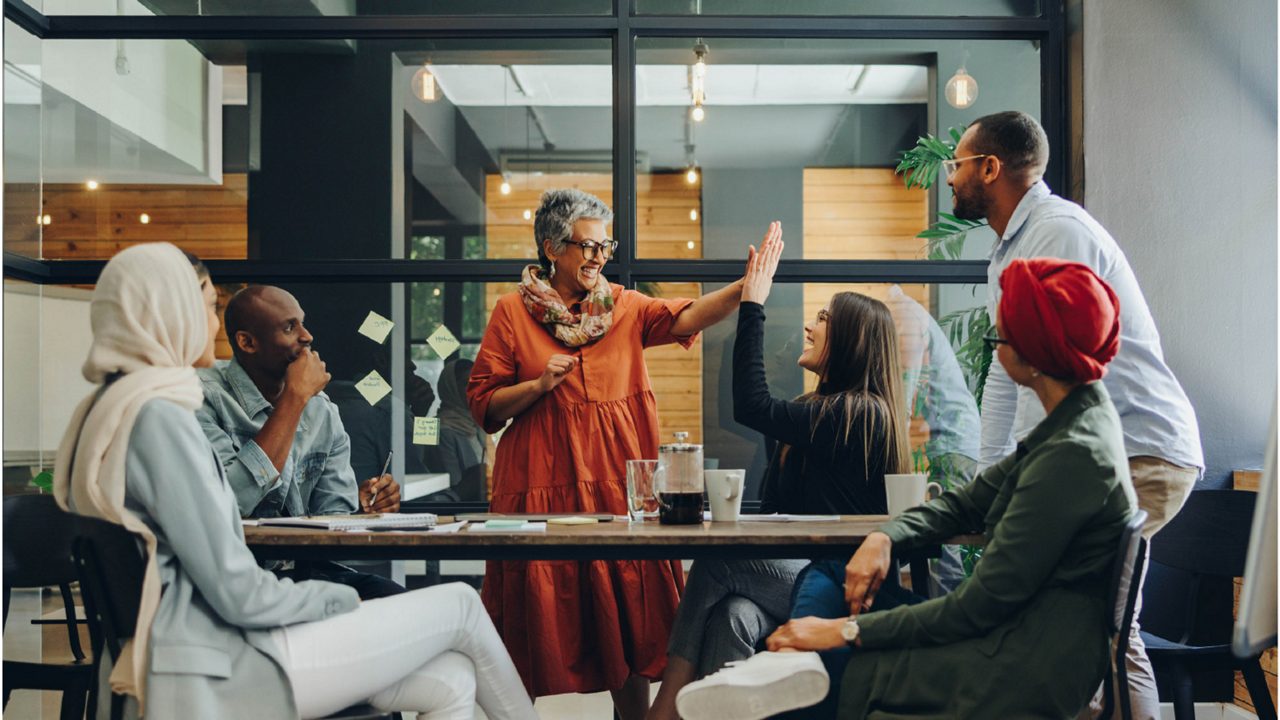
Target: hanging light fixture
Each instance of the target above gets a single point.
(91, 184)
(962, 90)
(145, 219)
(424, 84)
(528, 214)
(691, 175)
(698, 81)
(693, 215)
(505, 187)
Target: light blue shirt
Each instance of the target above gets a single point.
(1156, 415)
(317, 478)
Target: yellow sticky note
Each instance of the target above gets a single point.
(373, 387)
(376, 328)
(443, 342)
(426, 431)
(572, 520)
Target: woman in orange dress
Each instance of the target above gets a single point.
(562, 358)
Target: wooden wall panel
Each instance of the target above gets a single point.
(208, 220)
(663, 230)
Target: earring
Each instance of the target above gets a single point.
(1035, 373)
(551, 273)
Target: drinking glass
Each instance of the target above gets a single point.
(642, 500)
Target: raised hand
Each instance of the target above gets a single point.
(558, 368)
(306, 375)
(866, 571)
(762, 264)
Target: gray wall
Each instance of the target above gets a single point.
(1180, 149)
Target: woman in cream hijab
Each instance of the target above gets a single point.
(218, 636)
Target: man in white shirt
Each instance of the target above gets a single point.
(996, 175)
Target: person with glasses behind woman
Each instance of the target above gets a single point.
(563, 360)
(834, 447)
(1027, 635)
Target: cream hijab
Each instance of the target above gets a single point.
(149, 323)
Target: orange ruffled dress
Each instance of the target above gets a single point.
(577, 626)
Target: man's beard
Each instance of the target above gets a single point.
(972, 205)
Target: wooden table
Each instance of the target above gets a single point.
(615, 540)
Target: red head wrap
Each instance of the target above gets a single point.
(1060, 317)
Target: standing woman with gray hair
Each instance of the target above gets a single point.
(563, 360)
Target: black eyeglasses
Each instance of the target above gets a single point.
(591, 247)
(992, 340)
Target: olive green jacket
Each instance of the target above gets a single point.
(1026, 635)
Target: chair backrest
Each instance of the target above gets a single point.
(37, 542)
(1210, 535)
(1122, 595)
(111, 567)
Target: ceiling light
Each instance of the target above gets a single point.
(91, 184)
(698, 114)
(424, 84)
(691, 245)
(435, 292)
(45, 220)
(698, 73)
(528, 214)
(505, 187)
(691, 176)
(144, 218)
(961, 90)
(693, 214)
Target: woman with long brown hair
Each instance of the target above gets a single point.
(834, 447)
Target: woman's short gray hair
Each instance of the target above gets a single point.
(557, 213)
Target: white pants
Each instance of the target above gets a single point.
(432, 651)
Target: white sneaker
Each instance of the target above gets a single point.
(761, 686)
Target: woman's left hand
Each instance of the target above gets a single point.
(761, 265)
(809, 633)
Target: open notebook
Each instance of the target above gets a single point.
(347, 522)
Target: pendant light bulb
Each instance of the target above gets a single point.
(528, 214)
(424, 84)
(698, 114)
(961, 90)
(691, 176)
(505, 187)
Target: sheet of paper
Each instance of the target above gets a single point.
(452, 527)
(426, 431)
(373, 387)
(376, 328)
(443, 342)
(783, 517)
(573, 520)
(506, 526)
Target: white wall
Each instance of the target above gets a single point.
(46, 340)
(1180, 166)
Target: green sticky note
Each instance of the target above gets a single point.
(373, 387)
(426, 431)
(443, 342)
(376, 328)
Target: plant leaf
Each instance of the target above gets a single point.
(44, 481)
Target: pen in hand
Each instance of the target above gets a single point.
(373, 496)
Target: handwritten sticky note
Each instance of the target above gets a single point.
(443, 342)
(426, 431)
(373, 387)
(376, 328)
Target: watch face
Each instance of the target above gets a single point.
(849, 630)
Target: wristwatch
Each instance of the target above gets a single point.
(849, 631)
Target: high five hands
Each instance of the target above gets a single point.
(762, 264)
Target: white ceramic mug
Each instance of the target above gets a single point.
(724, 491)
(908, 490)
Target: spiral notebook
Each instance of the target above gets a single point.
(349, 522)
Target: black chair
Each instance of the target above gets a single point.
(37, 554)
(110, 565)
(1122, 597)
(1201, 550)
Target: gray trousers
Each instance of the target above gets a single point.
(728, 607)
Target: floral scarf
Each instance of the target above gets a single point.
(572, 329)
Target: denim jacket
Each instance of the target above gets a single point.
(317, 478)
(211, 654)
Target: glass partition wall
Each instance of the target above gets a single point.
(370, 162)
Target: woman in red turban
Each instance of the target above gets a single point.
(1027, 634)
